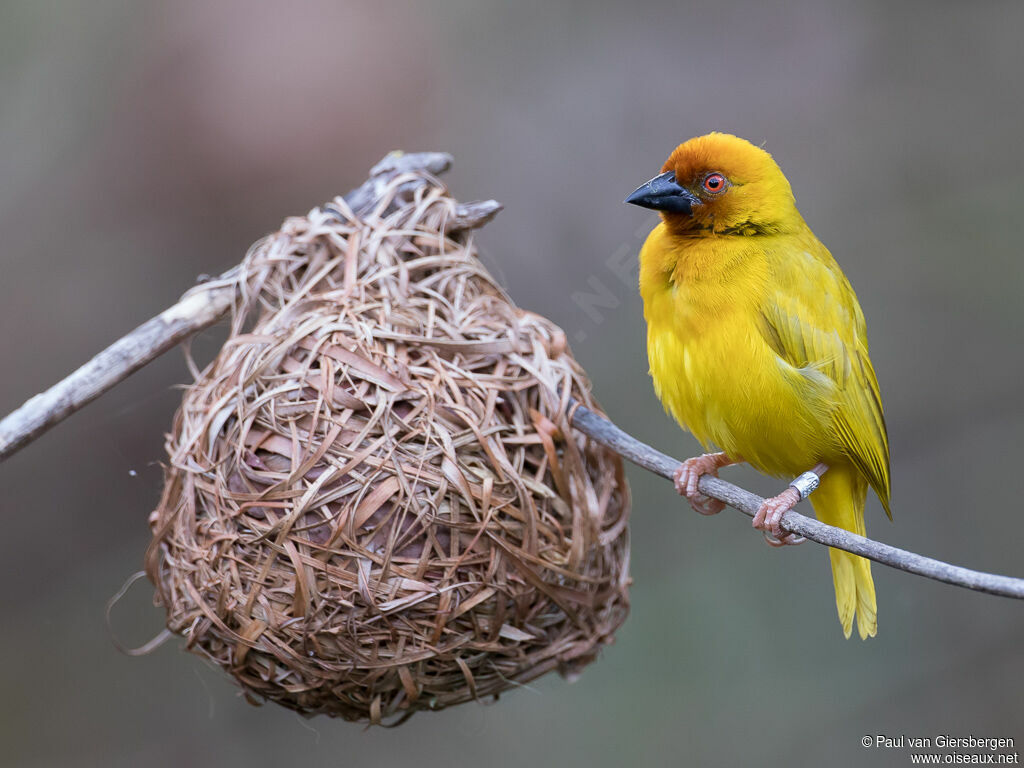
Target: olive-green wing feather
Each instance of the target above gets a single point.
(812, 319)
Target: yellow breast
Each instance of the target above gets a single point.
(711, 366)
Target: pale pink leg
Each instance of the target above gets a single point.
(688, 475)
(769, 517)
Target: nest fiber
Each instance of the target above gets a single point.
(374, 504)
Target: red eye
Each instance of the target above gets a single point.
(714, 183)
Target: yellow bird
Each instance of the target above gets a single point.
(757, 344)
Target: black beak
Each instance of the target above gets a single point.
(663, 194)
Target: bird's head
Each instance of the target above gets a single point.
(722, 184)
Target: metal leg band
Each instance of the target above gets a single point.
(805, 484)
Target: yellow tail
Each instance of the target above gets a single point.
(839, 501)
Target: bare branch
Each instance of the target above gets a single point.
(116, 363)
(627, 446)
(473, 215)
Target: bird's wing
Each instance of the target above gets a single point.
(812, 319)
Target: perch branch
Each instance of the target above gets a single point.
(627, 446)
(199, 308)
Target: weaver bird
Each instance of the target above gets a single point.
(757, 345)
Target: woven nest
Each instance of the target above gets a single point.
(374, 504)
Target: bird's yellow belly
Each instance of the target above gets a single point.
(725, 385)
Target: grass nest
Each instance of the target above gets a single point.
(374, 503)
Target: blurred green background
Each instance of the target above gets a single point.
(144, 143)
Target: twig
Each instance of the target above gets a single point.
(627, 446)
(199, 308)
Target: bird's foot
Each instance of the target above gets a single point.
(688, 476)
(769, 518)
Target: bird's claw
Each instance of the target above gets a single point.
(686, 480)
(769, 518)
(788, 538)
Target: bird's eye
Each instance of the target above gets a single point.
(714, 183)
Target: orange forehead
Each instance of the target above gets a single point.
(737, 158)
